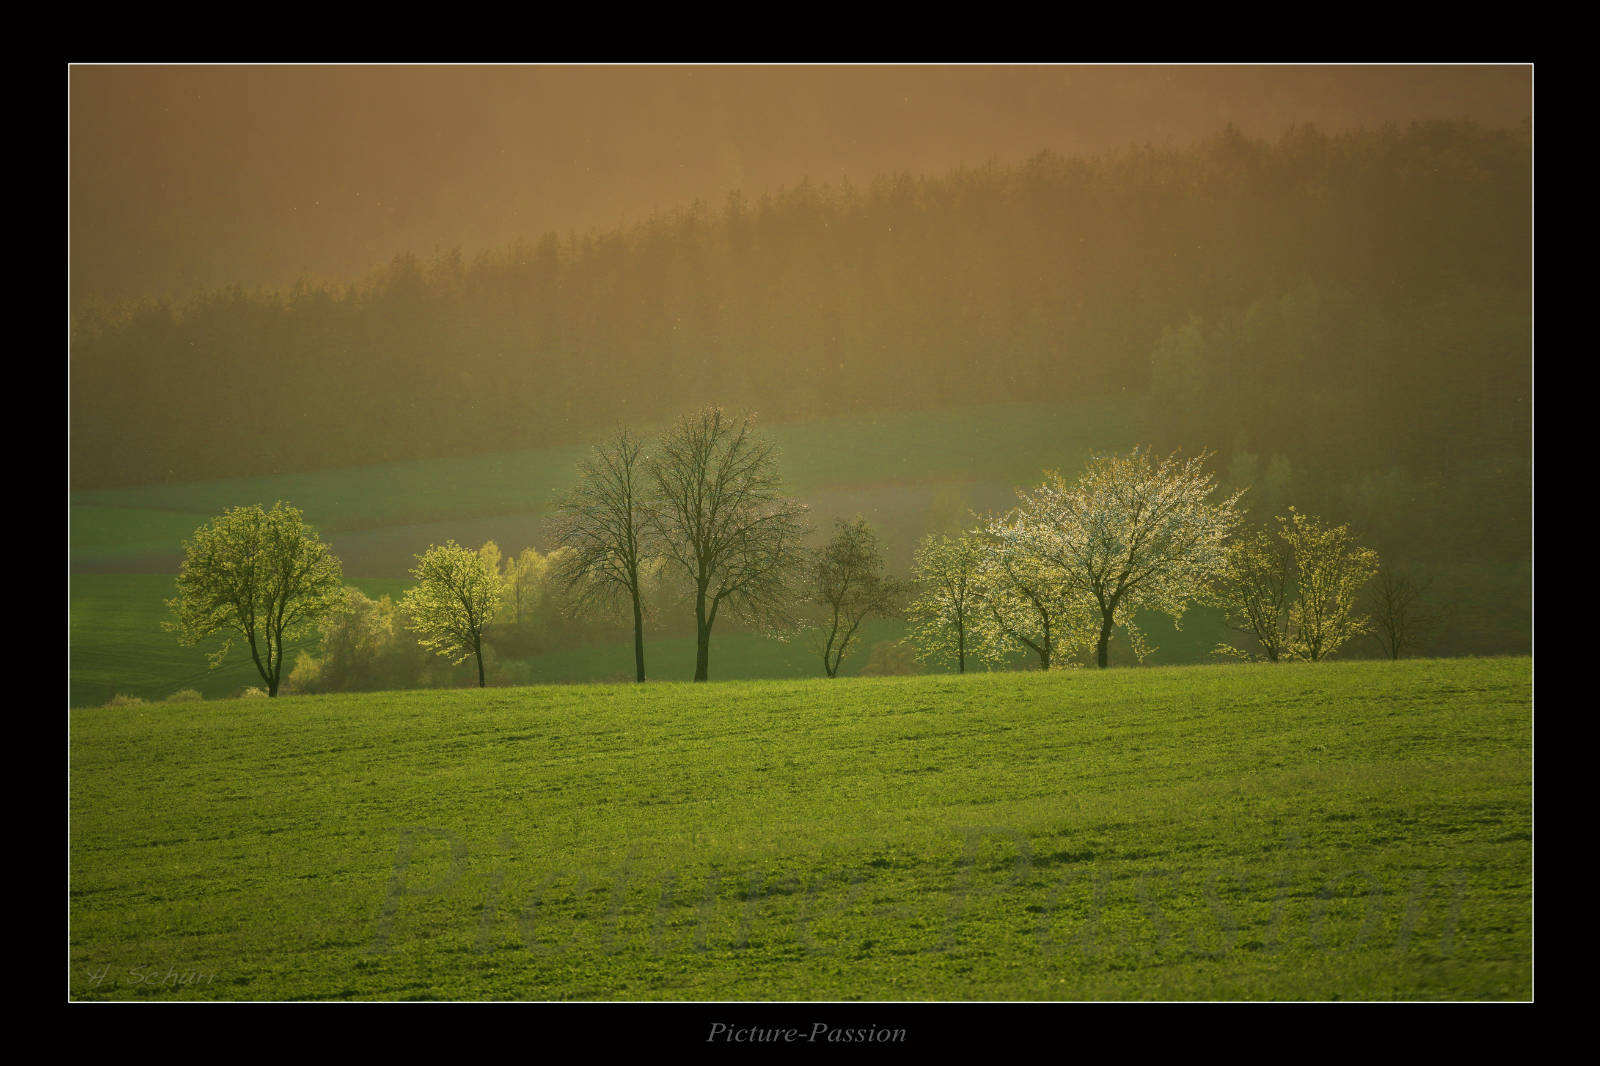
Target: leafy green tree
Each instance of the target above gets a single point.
(848, 584)
(1129, 534)
(527, 585)
(1296, 590)
(255, 575)
(1330, 572)
(605, 526)
(725, 525)
(945, 575)
(1255, 591)
(456, 596)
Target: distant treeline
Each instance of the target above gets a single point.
(1357, 302)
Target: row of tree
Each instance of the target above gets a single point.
(703, 513)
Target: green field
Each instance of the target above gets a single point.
(1328, 831)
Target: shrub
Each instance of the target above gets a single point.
(121, 700)
(185, 695)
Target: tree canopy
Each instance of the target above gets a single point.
(1130, 533)
(848, 583)
(258, 576)
(457, 594)
(726, 527)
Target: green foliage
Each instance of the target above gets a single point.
(185, 695)
(1296, 591)
(1255, 590)
(457, 594)
(942, 612)
(258, 576)
(123, 700)
(1025, 605)
(1330, 571)
(365, 646)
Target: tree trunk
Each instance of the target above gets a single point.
(1103, 647)
(638, 637)
(478, 647)
(702, 651)
(961, 649)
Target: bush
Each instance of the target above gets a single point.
(253, 693)
(890, 658)
(120, 700)
(185, 695)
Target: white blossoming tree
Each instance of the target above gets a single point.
(1132, 533)
(1024, 605)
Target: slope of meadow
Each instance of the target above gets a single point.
(1337, 831)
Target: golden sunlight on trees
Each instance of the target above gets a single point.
(945, 574)
(365, 647)
(848, 584)
(725, 525)
(256, 575)
(1330, 570)
(1025, 605)
(1255, 589)
(1295, 591)
(1131, 533)
(456, 596)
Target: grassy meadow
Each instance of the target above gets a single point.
(1357, 831)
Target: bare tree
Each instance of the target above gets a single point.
(604, 523)
(725, 525)
(846, 581)
(1398, 625)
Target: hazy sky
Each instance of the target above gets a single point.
(183, 177)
